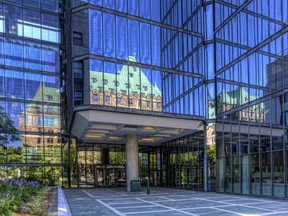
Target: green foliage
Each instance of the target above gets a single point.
(10, 195)
(53, 175)
(8, 132)
(117, 157)
(72, 154)
(38, 205)
(4, 211)
(211, 155)
(19, 194)
(48, 175)
(14, 155)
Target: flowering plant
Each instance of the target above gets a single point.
(16, 194)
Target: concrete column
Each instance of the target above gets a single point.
(132, 172)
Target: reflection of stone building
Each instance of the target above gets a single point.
(39, 119)
(211, 135)
(277, 80)
(277, 75)
(238, 97)
(130, 87)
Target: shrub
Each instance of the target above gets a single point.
(38, 204)
(22, 193)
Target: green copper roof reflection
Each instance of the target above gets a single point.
(239, 96)
(49, 93)
(129, 78)
(236, 97)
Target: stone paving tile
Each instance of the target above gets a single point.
(97, 213)
(126, 204)
(279, 214)
(168, 202)
(271, 206)
(144, 205)
(244, 210)
(188, 204)
(167, 213)
(210, 212)
(224, 197)
(156, 199)
(243, 201)
(144, 209)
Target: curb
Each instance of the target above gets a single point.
(63, 207)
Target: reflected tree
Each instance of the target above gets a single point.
(8, 132)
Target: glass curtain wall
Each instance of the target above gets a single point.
(123, 67)
(30, 82)
(150, 165)
(132, 60)
(188, 88)
(131, 64)
(99, 165)
(183, 50)
(183, 162)
(130, 82)
(251, 103)
(225, 60)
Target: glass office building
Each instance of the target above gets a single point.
(221, 65)
(31, 86)
(251, 100)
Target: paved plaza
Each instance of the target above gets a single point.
(165, 201)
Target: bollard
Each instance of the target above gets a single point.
(148, 186)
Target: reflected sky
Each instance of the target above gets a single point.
(119, 37)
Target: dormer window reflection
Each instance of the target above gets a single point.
(116, 83)
(95, 97)
(49, 97)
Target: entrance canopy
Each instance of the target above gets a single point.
(102, 126)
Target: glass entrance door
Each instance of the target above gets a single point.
(100, 165)
(109, 176)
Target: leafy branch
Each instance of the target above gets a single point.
(8, 132)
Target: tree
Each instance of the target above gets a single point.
(8, 132)
(211, 156)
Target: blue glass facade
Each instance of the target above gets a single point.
(240, 56)
(223, 61)
(251, 78)
(30, 82)
(183, 49)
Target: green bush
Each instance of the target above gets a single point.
(38, 204)
(4, 211)
(22, 193)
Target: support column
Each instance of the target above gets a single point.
(132, 172)
(76, 165)
(205, 176)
